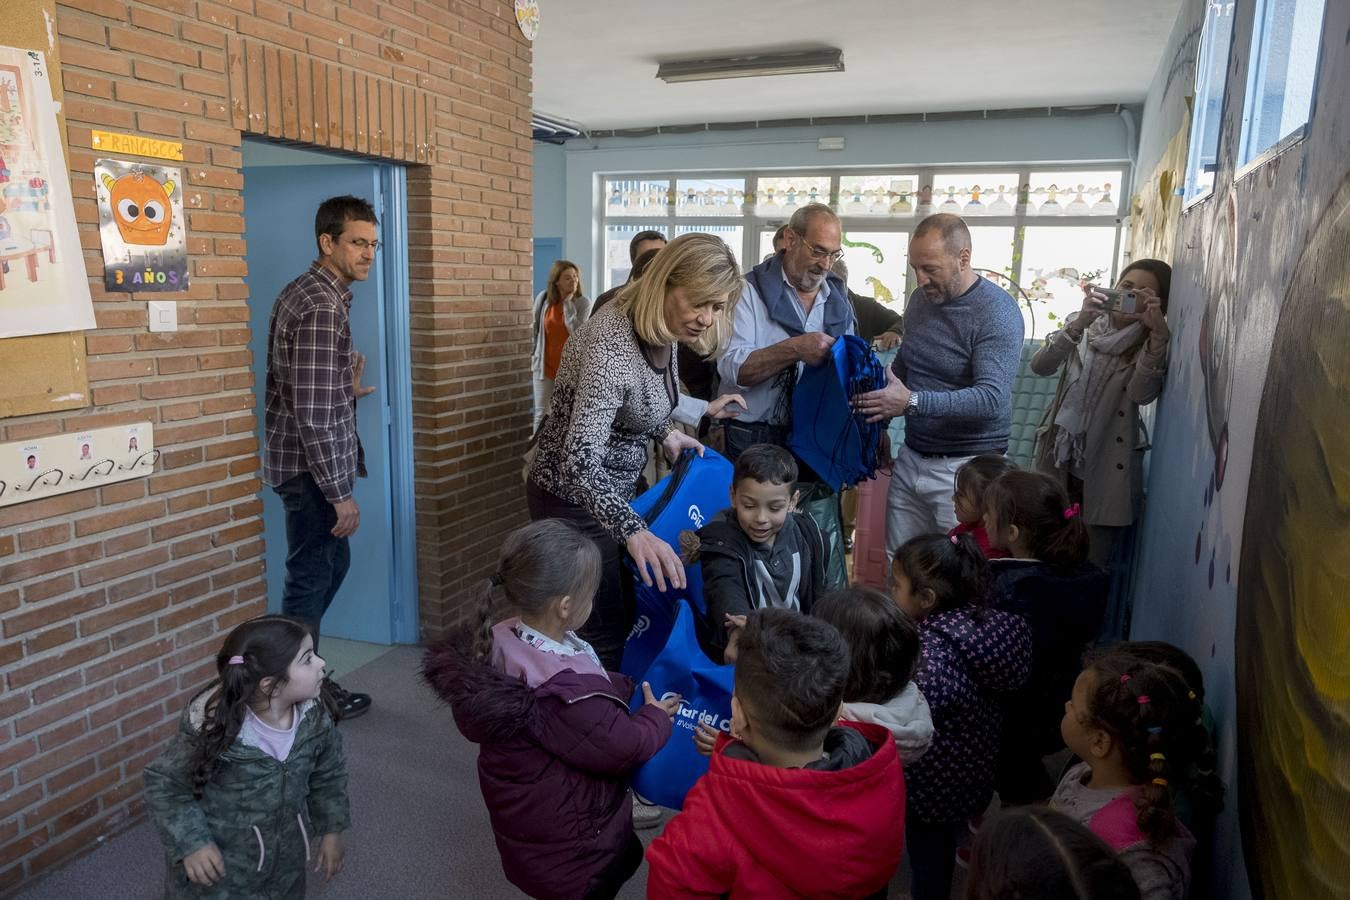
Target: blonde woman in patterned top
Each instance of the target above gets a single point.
(615, 389)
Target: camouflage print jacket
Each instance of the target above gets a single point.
(262, 814)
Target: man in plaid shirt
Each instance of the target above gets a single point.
(313, 455)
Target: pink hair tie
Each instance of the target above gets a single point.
(1143, 699)
(1072, 511)
(236, 660)
(954, 540)
(1124, 679)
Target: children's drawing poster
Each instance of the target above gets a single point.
(43, 285)
(140, 222)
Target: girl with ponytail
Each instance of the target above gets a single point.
(1132, 722)
(971, 656)
(556, 741)
(1048, 581)
(253, 788)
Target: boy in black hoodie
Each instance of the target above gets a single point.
(761, 553)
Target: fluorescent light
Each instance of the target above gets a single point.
(799, 63)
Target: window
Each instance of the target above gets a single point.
(617, 238)
(1038, 227)
(1211, 75)
(1055, 263)
(877, 262)
(981, 194)
(1286, 36)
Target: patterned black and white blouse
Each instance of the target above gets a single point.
(608, 400)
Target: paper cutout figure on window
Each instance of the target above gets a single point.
(141, 208)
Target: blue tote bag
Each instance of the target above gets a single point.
(840, 446)
(682, 668)
(697, 488)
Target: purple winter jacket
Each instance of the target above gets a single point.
(553, 764)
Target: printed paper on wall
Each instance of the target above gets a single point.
(140, 223)
(43, 285)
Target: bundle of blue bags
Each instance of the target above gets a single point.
(663, 647)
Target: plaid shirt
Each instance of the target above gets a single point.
(310, 416)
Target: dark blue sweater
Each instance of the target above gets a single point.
(961, 356)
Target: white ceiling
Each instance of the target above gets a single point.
(595, 60)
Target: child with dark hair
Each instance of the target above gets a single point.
(1132, 722)
(793, 805)
(883, 646)
(1049, 582)
(556, 740)
(972, 480)
(1037, 852)
(1197, 792)
(255, 769)
(972, 656)
(761, 553)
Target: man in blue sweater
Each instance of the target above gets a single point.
(952, 379)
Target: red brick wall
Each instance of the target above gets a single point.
(112, 601)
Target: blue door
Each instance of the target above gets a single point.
(547, 251)
(280, 200)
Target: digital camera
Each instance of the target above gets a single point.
(1117, 301)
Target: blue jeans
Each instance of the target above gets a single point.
(316, 562)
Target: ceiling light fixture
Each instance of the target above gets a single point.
(797, 63)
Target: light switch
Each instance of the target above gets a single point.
(163, 315)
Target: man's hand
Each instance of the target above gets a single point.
(677, 442)
(331, 855)
(205, 866)
(734, 625)
(813, 347)
(727, 406)
(359, 369)
(887, 340)
(886, 403)
(656, 561)
(348, 517)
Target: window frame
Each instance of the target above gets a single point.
(752, 224)
(1256, 71)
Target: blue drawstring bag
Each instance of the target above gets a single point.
(682, 668)
(841, 447)
(697, 488)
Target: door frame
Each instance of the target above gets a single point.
(393, 215)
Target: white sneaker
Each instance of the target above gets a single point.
(646, 815)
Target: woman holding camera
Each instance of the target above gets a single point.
(1111, 357)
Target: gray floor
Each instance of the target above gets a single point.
(420, 829)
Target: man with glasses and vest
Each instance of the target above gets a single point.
(313, 456)
(791, 311)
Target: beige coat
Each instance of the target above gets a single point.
(1113, 466)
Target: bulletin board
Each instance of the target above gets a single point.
(43, 373)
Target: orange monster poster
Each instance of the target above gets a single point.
(140, 222)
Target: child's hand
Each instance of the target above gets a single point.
(670, 705)
(205, 866)
(733, 624)
(705, 738)
(331, 855)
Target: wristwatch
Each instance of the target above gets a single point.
(912, 407)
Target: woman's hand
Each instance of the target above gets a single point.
(677, 442)
(331, 855)
(887, 340)
(205, 866)
(668, 705)
(656, 560)
(725, 407)
(1149, 312)
(1090, 311)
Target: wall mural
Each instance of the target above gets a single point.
(1243, 556)
(1293, 624)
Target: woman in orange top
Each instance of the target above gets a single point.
(559, 310)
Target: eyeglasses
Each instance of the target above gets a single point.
(363, 245)
(821, 252)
